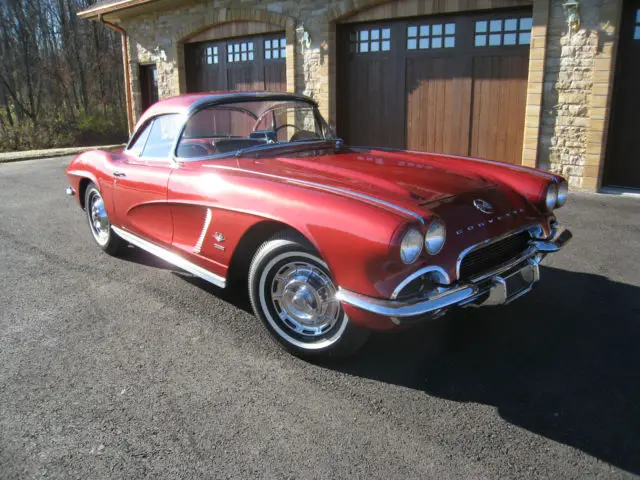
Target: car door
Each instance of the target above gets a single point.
(140, 180)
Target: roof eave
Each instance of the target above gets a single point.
(96, 12)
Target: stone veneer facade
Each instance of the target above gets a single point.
(570, 75)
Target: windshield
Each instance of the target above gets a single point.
(231, 128)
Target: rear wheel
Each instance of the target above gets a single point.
(99, 223)
(292, 292)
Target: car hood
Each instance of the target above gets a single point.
(393, 178)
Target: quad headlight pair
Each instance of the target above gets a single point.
(556, 195)
(414, 241)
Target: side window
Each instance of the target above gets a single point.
(162, 134)
(138, 143)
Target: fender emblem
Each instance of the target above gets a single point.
(219, 237)
(483, 206)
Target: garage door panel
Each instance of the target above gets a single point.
(275, 77)
(438, 103)
(374, 99)
(499, 102)
(457, 83)
(245, 78)
(255, 63)
(622, 167)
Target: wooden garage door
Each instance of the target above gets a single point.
(622, 167)
(247, 63)
(446, 84)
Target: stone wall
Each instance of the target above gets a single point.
(567, 89)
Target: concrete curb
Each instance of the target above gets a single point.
(53, 152)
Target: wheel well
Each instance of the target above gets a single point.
(82, 188)
(255, 236)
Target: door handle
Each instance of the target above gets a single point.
(119, 174)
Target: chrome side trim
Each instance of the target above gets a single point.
(205, 228)
(409, 308)
(486, 242)
(342, 191)
(170, 257)
(419, 273)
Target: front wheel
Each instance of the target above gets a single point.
(292, 292)
(99, 223)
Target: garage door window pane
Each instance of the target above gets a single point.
(369, 40)
(510, 38)
(636, 31)
(240, 52)
(526, 23)
(276, 48)
(511, 25)
(211, 55)
(508, 32)
(431, 36)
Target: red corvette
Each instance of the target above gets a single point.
(335, 240)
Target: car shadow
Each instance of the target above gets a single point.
(236, 296)
(563, 362)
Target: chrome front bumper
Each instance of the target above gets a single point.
(487, 289)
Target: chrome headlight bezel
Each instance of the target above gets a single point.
(563, 193)
(436, 237)
(551, 197)
(411, 246)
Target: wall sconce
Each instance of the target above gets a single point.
(572, 15)
(303, 37)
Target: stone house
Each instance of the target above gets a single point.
(545, 83)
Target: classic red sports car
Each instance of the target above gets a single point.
(335, 240)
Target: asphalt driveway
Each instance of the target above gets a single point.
(124, 368)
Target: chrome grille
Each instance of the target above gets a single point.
(487, 258)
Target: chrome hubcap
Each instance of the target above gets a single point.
(98, 218)
(304, 297)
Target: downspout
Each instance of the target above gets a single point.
(127, 75)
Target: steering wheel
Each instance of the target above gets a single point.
(277, 129)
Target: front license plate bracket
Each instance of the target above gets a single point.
(505, 289)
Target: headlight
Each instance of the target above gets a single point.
(563, 191)
(552, 197)
(436, 235)
(411, 246)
